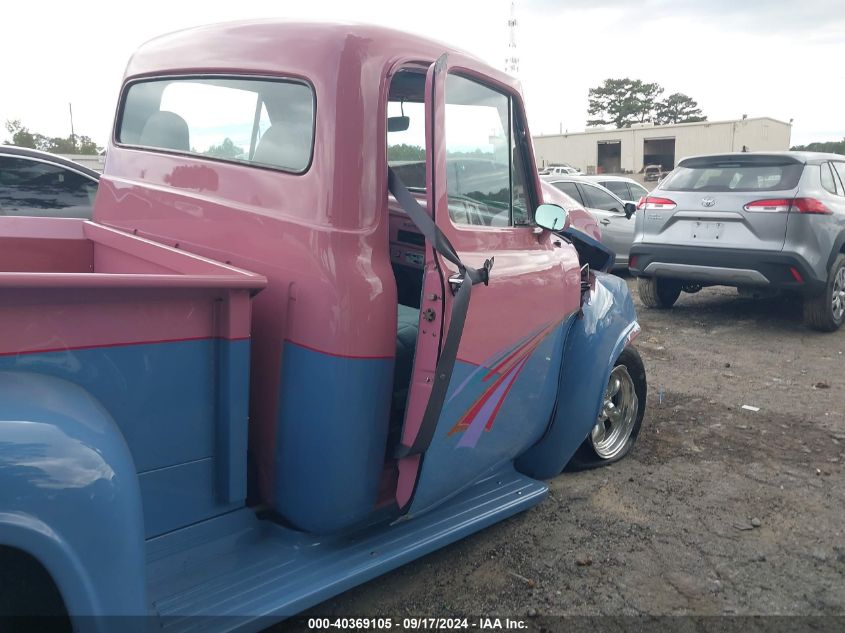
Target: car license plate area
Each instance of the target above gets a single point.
(706, 230)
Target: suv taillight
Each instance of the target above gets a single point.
(653, 203)
(773, 205)
(784, 205)
(810, 205)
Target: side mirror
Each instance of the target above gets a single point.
(551, 217)
(630, 209)
(398, 123)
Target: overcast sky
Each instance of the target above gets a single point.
(778, 58)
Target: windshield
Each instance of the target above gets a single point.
(406, 148)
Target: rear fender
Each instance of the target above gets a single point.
(838, 249)
(70, 496)
(593, 344)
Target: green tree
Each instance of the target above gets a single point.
(403, 151)
(21, 136)
(85, 145)
(76, 144)
(677, 108)
(833, 147)
(226, 149)
(58, 145)
(623, 102)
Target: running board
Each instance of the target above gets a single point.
(238, 572)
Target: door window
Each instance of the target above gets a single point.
(486, 185)
(599, 199)
(571, 190)
(637, 191)
(618, 187)
(828, 178)
(840, 169)
(29, 187)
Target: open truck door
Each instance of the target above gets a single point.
(493, 316)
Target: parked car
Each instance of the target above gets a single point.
(560, 170)
(773, 221)
(611, 212)
(626, 189)
(579, 218)
(652, 173)
(37, 183)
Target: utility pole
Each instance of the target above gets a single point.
(512, 59)
(72, 135)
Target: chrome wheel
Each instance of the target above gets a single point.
(618, 415)
(838, 295)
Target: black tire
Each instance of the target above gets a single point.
(818, 309)
(586, 457)
(29, 600)
(658, 293)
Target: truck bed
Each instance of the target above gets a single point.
(158, 336)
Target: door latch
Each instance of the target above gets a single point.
(455, 282)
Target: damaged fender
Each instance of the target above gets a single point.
(593, 344)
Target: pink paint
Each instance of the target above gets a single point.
(134, 291)
(321, 238)
(408, 469)
(533, 282)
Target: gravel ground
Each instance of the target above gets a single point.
(718, 510)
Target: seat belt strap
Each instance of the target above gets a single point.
(449, 351)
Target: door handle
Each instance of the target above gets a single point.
(604, 221)
(557, 243)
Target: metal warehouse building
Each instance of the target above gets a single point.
(630, 149)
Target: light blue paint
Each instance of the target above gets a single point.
(70, 495)
(181, 495)
(592, 347)
(448, 467)
(73, 500)
(236, 572)
(182, 408)
(331, 438)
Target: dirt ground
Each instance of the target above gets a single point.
(717, 510)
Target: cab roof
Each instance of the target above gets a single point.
(282, 47)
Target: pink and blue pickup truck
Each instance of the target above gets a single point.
(324, 321)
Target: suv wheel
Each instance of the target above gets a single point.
(826, 311)
(658, 293)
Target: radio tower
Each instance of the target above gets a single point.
(512, 60)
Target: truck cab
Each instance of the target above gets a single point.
(314, 330)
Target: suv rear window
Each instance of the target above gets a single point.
(726, 175)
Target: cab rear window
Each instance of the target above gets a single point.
(265, 122)
(734, 176)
